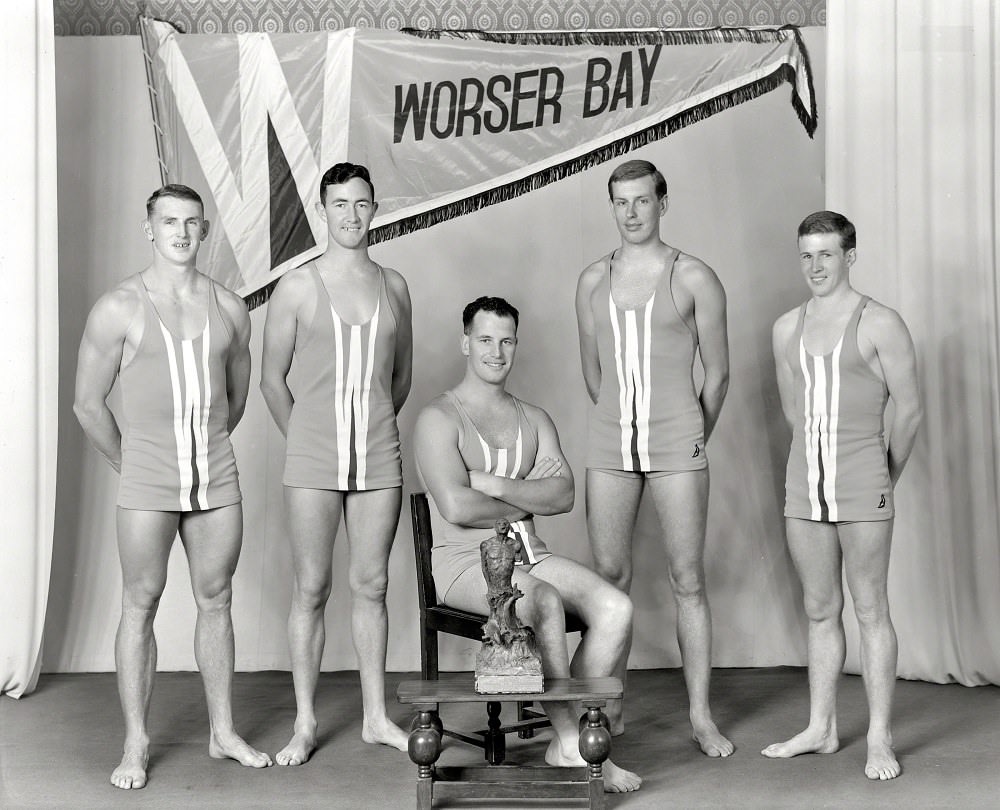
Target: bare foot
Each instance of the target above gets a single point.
(131, 772)
(711, 741)
(882, 763)
(299, 748)
(809, 741)
(616, 780)
(384, 732)
(232, 746)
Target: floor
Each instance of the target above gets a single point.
(59, 745)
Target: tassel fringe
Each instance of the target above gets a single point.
(664, 36)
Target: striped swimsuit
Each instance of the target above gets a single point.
(456, 548)
(838, 468)
(647, 418)
(176, 453)
(342, 432)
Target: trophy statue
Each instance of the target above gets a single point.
(508, 660)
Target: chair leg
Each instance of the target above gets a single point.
(428, 664)
(428, 654)
(523, 713)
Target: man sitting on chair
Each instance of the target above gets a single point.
(483, 454)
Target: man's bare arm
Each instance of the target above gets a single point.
(279, 346)
(898, 359)
(589, 357)
(97, 367)
(780, 335)
(402, 368)
(238, 362)
(713, 340)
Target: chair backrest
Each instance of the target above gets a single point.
(423, 540)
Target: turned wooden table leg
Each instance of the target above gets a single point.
(595, 747)
(424, 747)
(495, 743)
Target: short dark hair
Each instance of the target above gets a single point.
(830, 222)
(633, 170)
(491, 304)
(173, 190)
(342, 172)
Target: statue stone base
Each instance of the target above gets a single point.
(508, 661)
(508, 670)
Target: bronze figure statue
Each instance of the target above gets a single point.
(508, 661)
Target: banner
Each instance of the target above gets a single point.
(447, 122)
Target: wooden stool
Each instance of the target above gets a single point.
(508, 781)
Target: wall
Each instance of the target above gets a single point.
(739, 184)
(119, 17)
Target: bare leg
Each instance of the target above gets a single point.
(144, 541)
(606, 611)
(212, 540)
(313, 517)
(371, 519)
(682, 505)
(815, 550)
(866, 563)
(612, 507)
(542, 608)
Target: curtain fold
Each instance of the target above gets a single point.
(29, 335)
(911, 158)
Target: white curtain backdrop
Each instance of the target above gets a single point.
(29, 334)
(912, 137)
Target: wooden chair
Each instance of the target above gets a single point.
(436, 617)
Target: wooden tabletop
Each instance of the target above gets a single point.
(462, 690)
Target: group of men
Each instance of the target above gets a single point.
(336, 371)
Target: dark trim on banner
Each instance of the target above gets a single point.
(652, 36)
(259, 297)
(810, 117)
(618, 148)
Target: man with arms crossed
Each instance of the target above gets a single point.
(346, 322)
(483, 454)
(839, 357)
(179, 345)
(643, 312)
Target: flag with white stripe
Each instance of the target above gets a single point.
(447, 122)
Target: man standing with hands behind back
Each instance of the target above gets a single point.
(179, 344)
(839, 358)
(346, 322)
(643, 313)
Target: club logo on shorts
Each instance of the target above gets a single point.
(697, 452)
(881, 501)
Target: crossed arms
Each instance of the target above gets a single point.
(477, 499)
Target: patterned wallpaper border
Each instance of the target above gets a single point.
(118, 17)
